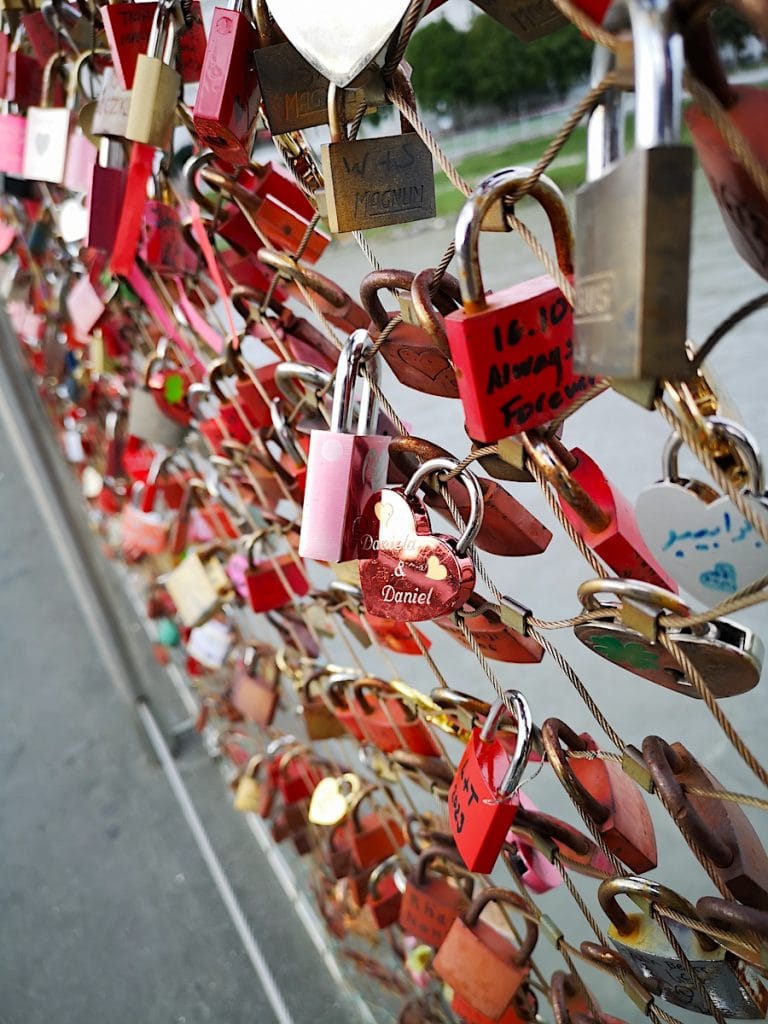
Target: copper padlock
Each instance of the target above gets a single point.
(431, 901)
(320, 722)
(378, 835)
(605, 796)
(481, 964)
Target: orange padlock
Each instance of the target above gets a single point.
(432, 901)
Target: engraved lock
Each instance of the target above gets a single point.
(728, 656)
(409, 573)
(718, 828)
(699, 536)
(343, 469)
(47, 133)
(632, 256)
(605, 796)
(128, 27)
(496, 637)
(294, 94)
(255, 690)
(731, 987)
(417, 354)
(527, 19)
(598, 511)
(434, 896)
(743, 206)
(227, 103)
(105, 199)
(389, 721)
(111, 114)
(481, 800)
(371, 183)
(512, 349)
(156, 83)
(480, 963)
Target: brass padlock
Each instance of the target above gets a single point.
(198, 588)
(732, 987)
(371, 183)
(157, 83)
(248, 791)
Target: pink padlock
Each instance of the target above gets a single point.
(81, 159)
(13, 129)
(343, 469)
(536, 871)
(144, 531)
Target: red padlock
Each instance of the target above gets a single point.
(297, 774)
(388, 722)
(377, 835)
(144, 531)
(522, 1010)
(479, 963)
(228, 96)
(274, 581)
(605, 796)
(742, 204)
(255, 691)
(513, 350)
(481, 804)
(128, 27)
(431, 901)
(336, 691)
(599, 512)
(384, 896)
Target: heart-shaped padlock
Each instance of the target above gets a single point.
(701, 538)
(333, 37)
(410, 573)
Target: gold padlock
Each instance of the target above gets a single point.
(199, 588)
(248, 792)
(156, 83)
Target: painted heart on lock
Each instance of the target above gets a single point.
(333, 37)
(409, 574)
(710, 549)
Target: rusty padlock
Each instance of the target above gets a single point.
(432, 900)
(719, 828)
(605, 796)
(479, 963)
(316, 711)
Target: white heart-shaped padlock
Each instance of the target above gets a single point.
(333, 36)
(705, 544)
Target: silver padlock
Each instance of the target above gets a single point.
(728, 656)
(633, 220)
(733, 987)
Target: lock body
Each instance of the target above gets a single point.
(375, 182)
(527, 19)
(153, 102)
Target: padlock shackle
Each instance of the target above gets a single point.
(563, 986)
(73, 85)
(336, 122)
(648, 891)
(537, 825)
(287, 267)
(665, 761)
(470, 481)
(387, 867)
(495, 188)
(316, 380)
(605, 128)
(606, 959)
(446, 853)
(437, 771)
(284, 434)
(427, 308)
(553, 733)
(732, 916)
(365, 794)
(355, 354)
(636, 590)
(432, 836)
(523, 744)
(510, 899)
(659, 61)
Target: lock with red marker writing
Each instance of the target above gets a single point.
(513, 349)
(481, 804)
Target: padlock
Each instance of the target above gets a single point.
(248, 794)
(728, 656)
(385, 896)
(149, 423)
(572, 1003)
(732, 987)
(81, 151)
(409, 573)
(333, 797)
(144, 531)
(111, 114)
(418, 353)
(746, 929)
(481, 800)
(480, 963)
(497, 639)
(156, 83)
(512, 349)
(377, 835)
(508, 528)
(105, 199)
(344, 469)
(228, 95)
(47, 133)
(527, 19)
(719, 828)
(526, 862)
(388, 721)
(605, 796)
(598, 511)
(743, 206)
(431, 901)
(297, 772)
(255, 690)
(162, 246)
(274, 581)
(316, 711)
(373, 182)
(699, 536)
(522, 1010)
(632, 258)
(336, 691)
(13, 130)
(128, 27)
(199, 587)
